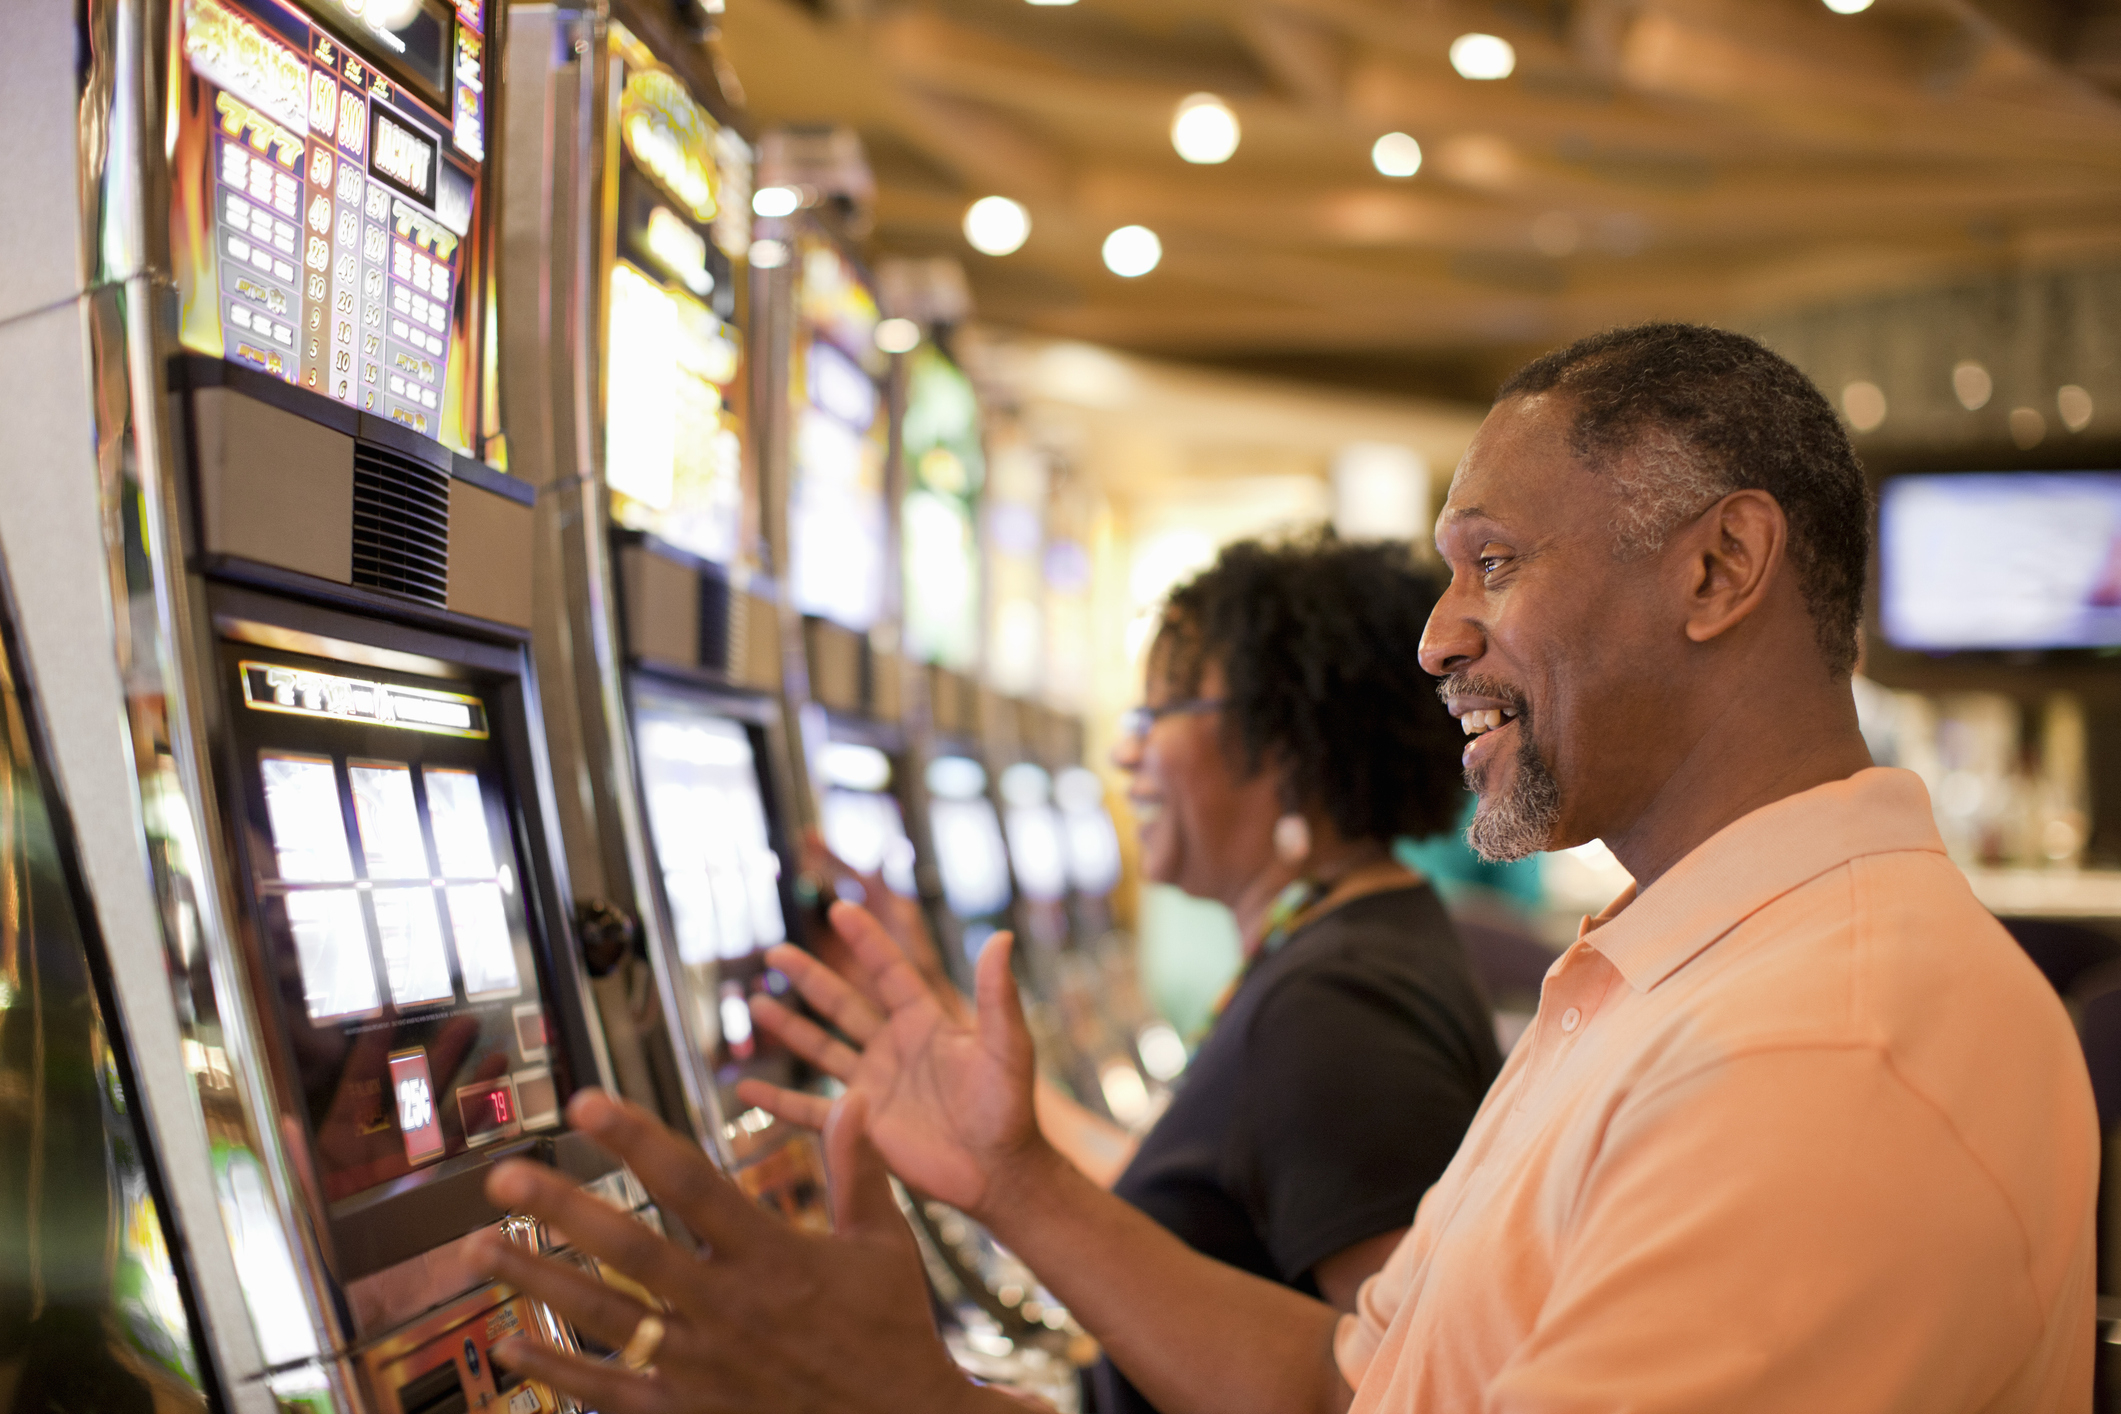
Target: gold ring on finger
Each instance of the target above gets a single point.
(641, 1346)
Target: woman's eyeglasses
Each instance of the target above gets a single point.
(1134, 723)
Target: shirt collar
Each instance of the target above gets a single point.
(1753, 861)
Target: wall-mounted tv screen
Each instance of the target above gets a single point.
(2018, 560)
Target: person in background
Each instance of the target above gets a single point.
(1286, 738)
(1797, 1125)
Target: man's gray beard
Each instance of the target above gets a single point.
(1521, 823)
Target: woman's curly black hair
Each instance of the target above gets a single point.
(1317, 640)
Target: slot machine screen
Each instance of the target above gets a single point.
(2022, 560)
(969, 849)
(673, 360)
(390, 898)
(1092, 840)
(713, 844)
(836, 514)
(862, 822)
(946, 465)
(1033, 828)
(326, 206)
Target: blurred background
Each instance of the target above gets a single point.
(1217, 270)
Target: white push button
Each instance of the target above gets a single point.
(1571, 1019)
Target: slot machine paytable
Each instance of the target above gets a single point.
(274, 588)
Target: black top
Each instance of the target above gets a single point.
(1331, 1094)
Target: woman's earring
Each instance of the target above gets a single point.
(1292, 838)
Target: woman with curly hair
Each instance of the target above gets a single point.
(1287, 736)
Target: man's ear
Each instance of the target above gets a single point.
(1733, 553)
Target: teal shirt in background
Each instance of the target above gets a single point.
(1189, 946)
(1449, 863)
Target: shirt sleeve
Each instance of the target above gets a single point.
(1356, 1092)
(1785, 1229)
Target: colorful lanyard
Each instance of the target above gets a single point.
(1289, 905)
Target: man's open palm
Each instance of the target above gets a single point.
(949, 1102)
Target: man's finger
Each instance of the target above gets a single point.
(1003, 1032)
(601, 1311)
(798, 1108)
(860, 1183)
(806, 1038)
(828, 992)
(675, 1172)
(892, 980)
(608, 1387)
(595, 1227)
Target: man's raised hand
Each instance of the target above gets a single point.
(949, 1100)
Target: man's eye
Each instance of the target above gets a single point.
(1488, 564)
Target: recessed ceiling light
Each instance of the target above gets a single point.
(1396, 155)
(775, 201)
(1132, 251)
(996, 225)
(1972, 385)
(1863, 402)
(897, 336)
(1482, 56)
(1848, 7)
(1204, 130)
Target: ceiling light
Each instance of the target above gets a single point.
(897, 336)
(1132, 251)
(1482, 56)
(1204, 129)
(1049, 2)
(1396, 155)
(2027, 427)
(1864, 404)
(1972, 385)
(775, 201)
(996, 225)
(1848, 7)
(2075, 405)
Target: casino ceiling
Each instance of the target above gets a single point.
(1712, 159)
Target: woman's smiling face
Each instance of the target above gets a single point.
(1204, 825)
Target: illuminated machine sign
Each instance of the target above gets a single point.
(673, 426)
(838, 523)
(324, 213)
(270, 687)
(403, 158)
(671, 137)
(413, 1094)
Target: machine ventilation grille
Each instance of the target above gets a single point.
(400, 526)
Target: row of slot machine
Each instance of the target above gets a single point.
(451, 556)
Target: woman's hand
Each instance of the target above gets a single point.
(949, 1099)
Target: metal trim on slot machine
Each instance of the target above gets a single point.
(274, 585)
(627, 348)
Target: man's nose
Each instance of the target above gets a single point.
(1453, 637)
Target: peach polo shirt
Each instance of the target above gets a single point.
(1798, 1128)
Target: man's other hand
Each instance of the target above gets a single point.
(763, 1318)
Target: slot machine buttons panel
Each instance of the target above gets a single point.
(442, 1364)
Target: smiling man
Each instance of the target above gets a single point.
(1796, 1127)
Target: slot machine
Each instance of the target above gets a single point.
(275, 587)
(628, 341)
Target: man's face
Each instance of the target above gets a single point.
(1551, 648)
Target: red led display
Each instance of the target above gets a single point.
(488, 1110)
